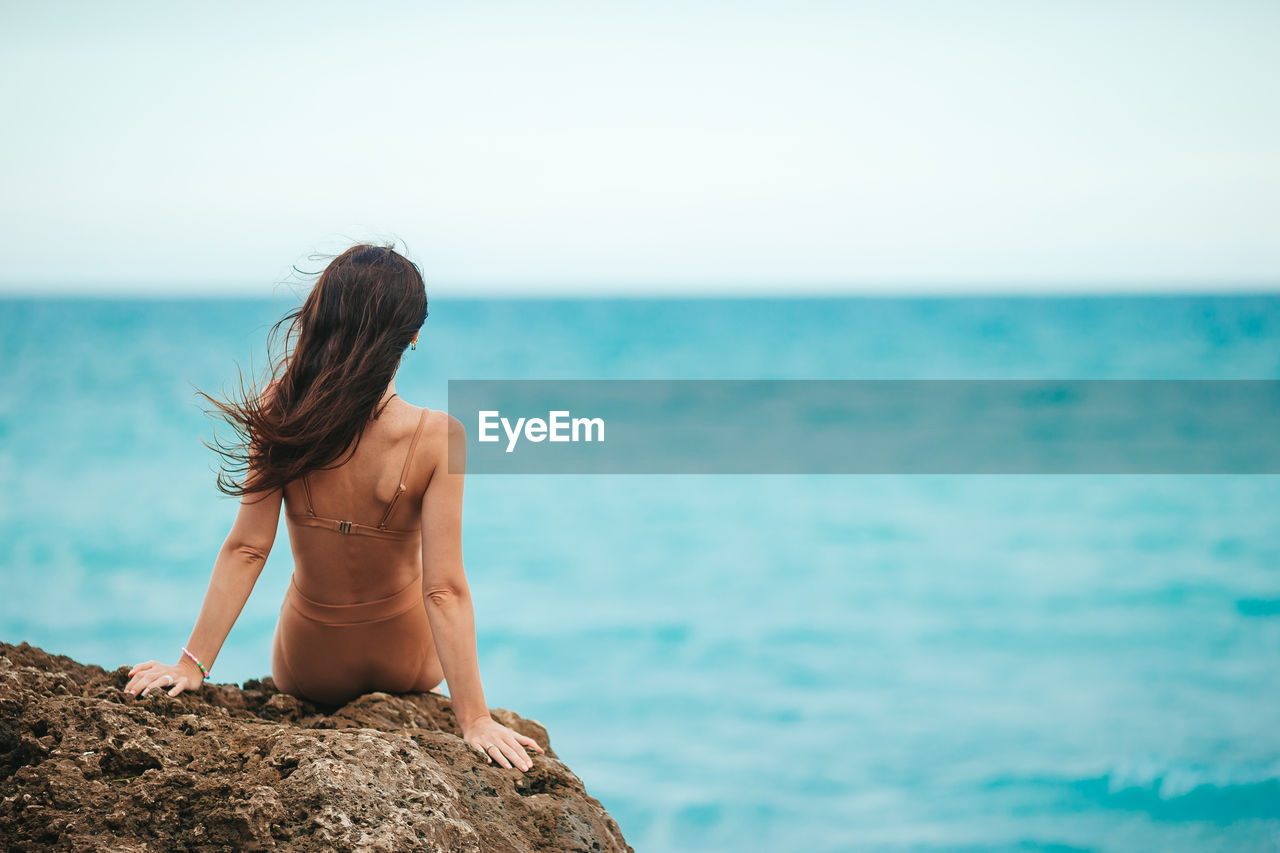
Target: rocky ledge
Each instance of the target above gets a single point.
(85, 766)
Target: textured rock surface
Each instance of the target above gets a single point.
(85, 766)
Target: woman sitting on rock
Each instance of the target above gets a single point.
(378, 599)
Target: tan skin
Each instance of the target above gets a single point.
(445, 593)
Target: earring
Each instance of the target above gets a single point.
(413, 344)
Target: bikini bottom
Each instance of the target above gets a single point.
(331, 653)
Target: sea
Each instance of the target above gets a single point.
(738, 662)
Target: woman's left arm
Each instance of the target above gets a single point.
(235, 572)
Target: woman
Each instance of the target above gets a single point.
(378, 599)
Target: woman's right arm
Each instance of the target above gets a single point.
(235, 572)
(448, 602)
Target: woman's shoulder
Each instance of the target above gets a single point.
(438, 429)
(436, 420)
(437, 423)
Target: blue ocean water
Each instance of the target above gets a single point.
(740, 662)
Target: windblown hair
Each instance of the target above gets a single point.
(341, 350)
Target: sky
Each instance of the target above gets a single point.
(607, 148)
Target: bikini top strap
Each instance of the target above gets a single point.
(404, 472)
(306, 487)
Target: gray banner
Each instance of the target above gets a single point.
(868, 426)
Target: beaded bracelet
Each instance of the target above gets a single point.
(203, 669)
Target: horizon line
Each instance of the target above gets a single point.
(808, 290)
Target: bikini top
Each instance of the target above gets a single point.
(380, 530)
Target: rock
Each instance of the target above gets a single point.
(84, 766)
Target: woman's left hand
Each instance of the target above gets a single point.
(161, 676)
(493, 740)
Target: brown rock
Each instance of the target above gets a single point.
(84, 766)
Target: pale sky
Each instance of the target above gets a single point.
(645, 147)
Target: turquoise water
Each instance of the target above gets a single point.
(741, 662)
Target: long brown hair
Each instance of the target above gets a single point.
(342, 346)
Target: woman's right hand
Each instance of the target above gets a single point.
(153, 674)
(493, 740)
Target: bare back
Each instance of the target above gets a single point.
(354, 529)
